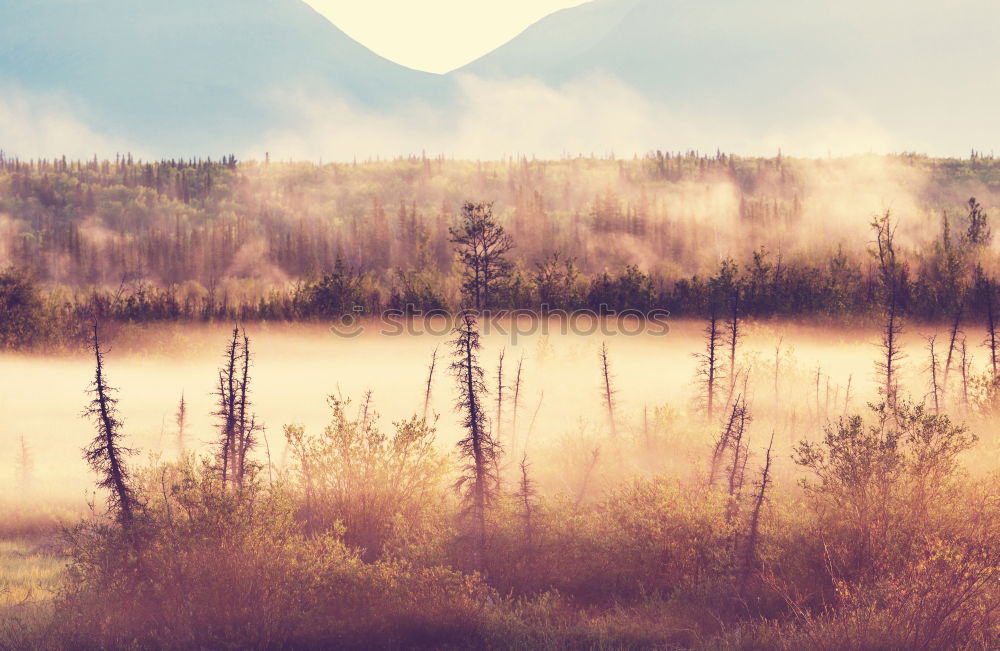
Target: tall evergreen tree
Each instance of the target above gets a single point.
(482, 246)
(477, 447)
(106, 454)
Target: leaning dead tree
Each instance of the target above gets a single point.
(106, 454)
(740, 454)
(953, 332)
(730, 443)
(430, 381)
(477, 447)
(607, 389)
(750, 560)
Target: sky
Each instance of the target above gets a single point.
(422, 34)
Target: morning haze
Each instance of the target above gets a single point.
(650, 324)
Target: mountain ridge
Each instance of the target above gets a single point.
(190, 71)
(199, 77)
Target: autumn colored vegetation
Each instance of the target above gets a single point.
(373, 535)
(141, 242)
(861, 527)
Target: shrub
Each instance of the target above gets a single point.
(373, 484)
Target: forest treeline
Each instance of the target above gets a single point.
(140, 242)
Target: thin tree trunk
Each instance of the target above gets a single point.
(750, 559)
(430, 380)
(933, 368)
(609, 392)
(517, 403)
(498, 430)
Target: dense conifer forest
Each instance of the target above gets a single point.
(140, 242)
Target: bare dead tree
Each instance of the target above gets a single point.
(25, 465)
(237, 426)
(430, 380)
(534, 417)
(826, 398)
(477, 447)
(180, 418)
(750, 557)
(244, 384)
(966, 363)
(365, 409)
(953, 260)
(847, 395)
(819, 372)
(731, 432)
(526, 495)
(500, 387)
(608, 391)
(708, 362)
(740, 455)
(932, 369)
(732, 339)
(517, 402)
(645, 429)
(891, 274)
(992, 341)
(722, 443)
(585, 484)
(226, 394)
(777, 364)
(246, 435)
(267, 450)
(105, 454)
(956, 328)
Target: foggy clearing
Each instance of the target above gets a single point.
(297, 367)
(661, 325)
(689, 400)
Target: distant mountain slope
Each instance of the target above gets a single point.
(209, 77)
(925, 70)
(191, 75)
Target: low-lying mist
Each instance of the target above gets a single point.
(486, 119)
(795, 379)
(591, 115)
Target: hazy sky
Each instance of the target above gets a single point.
(435, 35)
